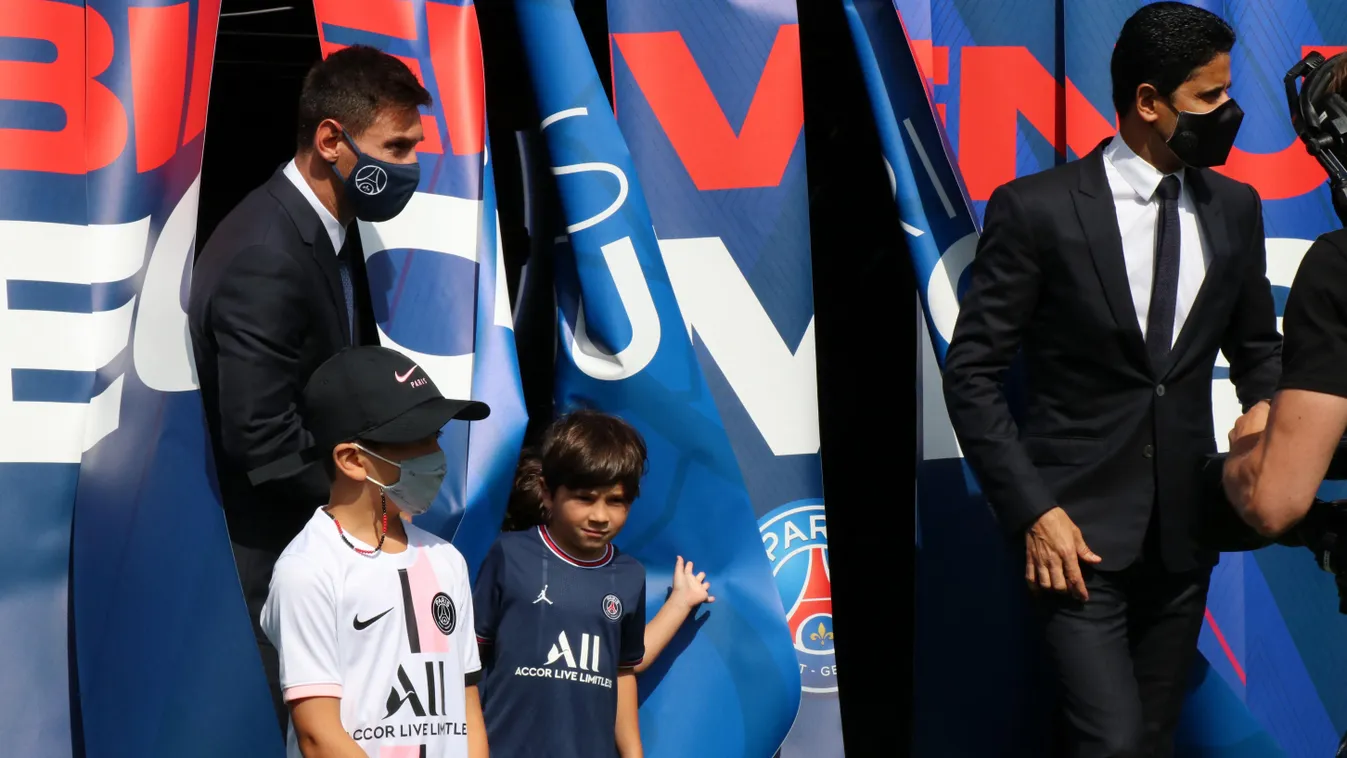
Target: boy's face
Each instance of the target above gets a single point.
(361, 467)
(587, 519)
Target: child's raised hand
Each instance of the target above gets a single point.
(689, 589)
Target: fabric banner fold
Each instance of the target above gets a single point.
(729, 683)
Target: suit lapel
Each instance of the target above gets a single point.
(1099, 219)
(1216, 242)
(311, 230)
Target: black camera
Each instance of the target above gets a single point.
(1319, 117)
(1324, 532)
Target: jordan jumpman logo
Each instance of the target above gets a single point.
(542, 596)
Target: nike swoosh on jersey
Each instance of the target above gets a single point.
(362, 625)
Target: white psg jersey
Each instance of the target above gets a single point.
(391, 635)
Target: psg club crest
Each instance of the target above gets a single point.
(612, 607)
(795, 537)
(442, 609)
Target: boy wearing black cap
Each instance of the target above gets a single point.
(372, 617)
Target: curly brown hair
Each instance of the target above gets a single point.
(1337, 74)
(525, 508)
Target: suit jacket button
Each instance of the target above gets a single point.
(1160, 390)
(1148, 451)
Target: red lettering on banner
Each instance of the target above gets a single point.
(1000, 83)
(456, 54)
(391, 18)
(207, 18)
(84, 48)
(429, 125)
(1328, 51)
(714, 156)
(932, 60)
(158, 79)
(1290, 172)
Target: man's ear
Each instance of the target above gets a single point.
(327, 139)
(348, 461)
(1148, 101)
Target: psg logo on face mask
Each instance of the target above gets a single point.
(371, 180)
(442, 610)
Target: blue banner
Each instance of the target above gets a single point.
(708, 94)
(729, 683)
(436, 270)
(1020, 86)
(104, 460)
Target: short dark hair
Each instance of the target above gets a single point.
(526, 497)
(1161, 45)
(1337, 75)
(351, 86)
(591, 449)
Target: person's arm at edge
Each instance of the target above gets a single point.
(1002, 294)
(1272, 473)
(1271, 477)
(318, 729)
(258, 319)
(628, 728)
(477, 742)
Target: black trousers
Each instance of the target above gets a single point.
(254, 566)
(1123, 658)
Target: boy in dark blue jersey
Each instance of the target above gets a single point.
(560, 611)
(688, 590)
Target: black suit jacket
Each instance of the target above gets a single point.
(1105, 435)
(266, 309)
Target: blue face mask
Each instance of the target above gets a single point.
(418, 483)
(378, 190)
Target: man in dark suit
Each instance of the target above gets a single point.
(281, 287)
(1119, 276)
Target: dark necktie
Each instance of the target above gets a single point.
(1165, 285)
(347, 290)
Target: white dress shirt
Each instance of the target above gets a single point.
(335, 231)
(1133, 182)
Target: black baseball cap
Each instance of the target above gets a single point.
(370, 393)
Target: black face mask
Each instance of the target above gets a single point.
(1205, 139)
(378, 190)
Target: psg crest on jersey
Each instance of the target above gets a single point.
(442, 610)
(795, 537)
(612, 607)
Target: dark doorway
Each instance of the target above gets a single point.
(262, 52)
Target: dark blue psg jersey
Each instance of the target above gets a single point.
(555, 630)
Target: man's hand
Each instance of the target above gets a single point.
(1053, 547)
(1245, 432)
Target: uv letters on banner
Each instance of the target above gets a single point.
(708, 96)
(123, 591)
(1019, 87)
